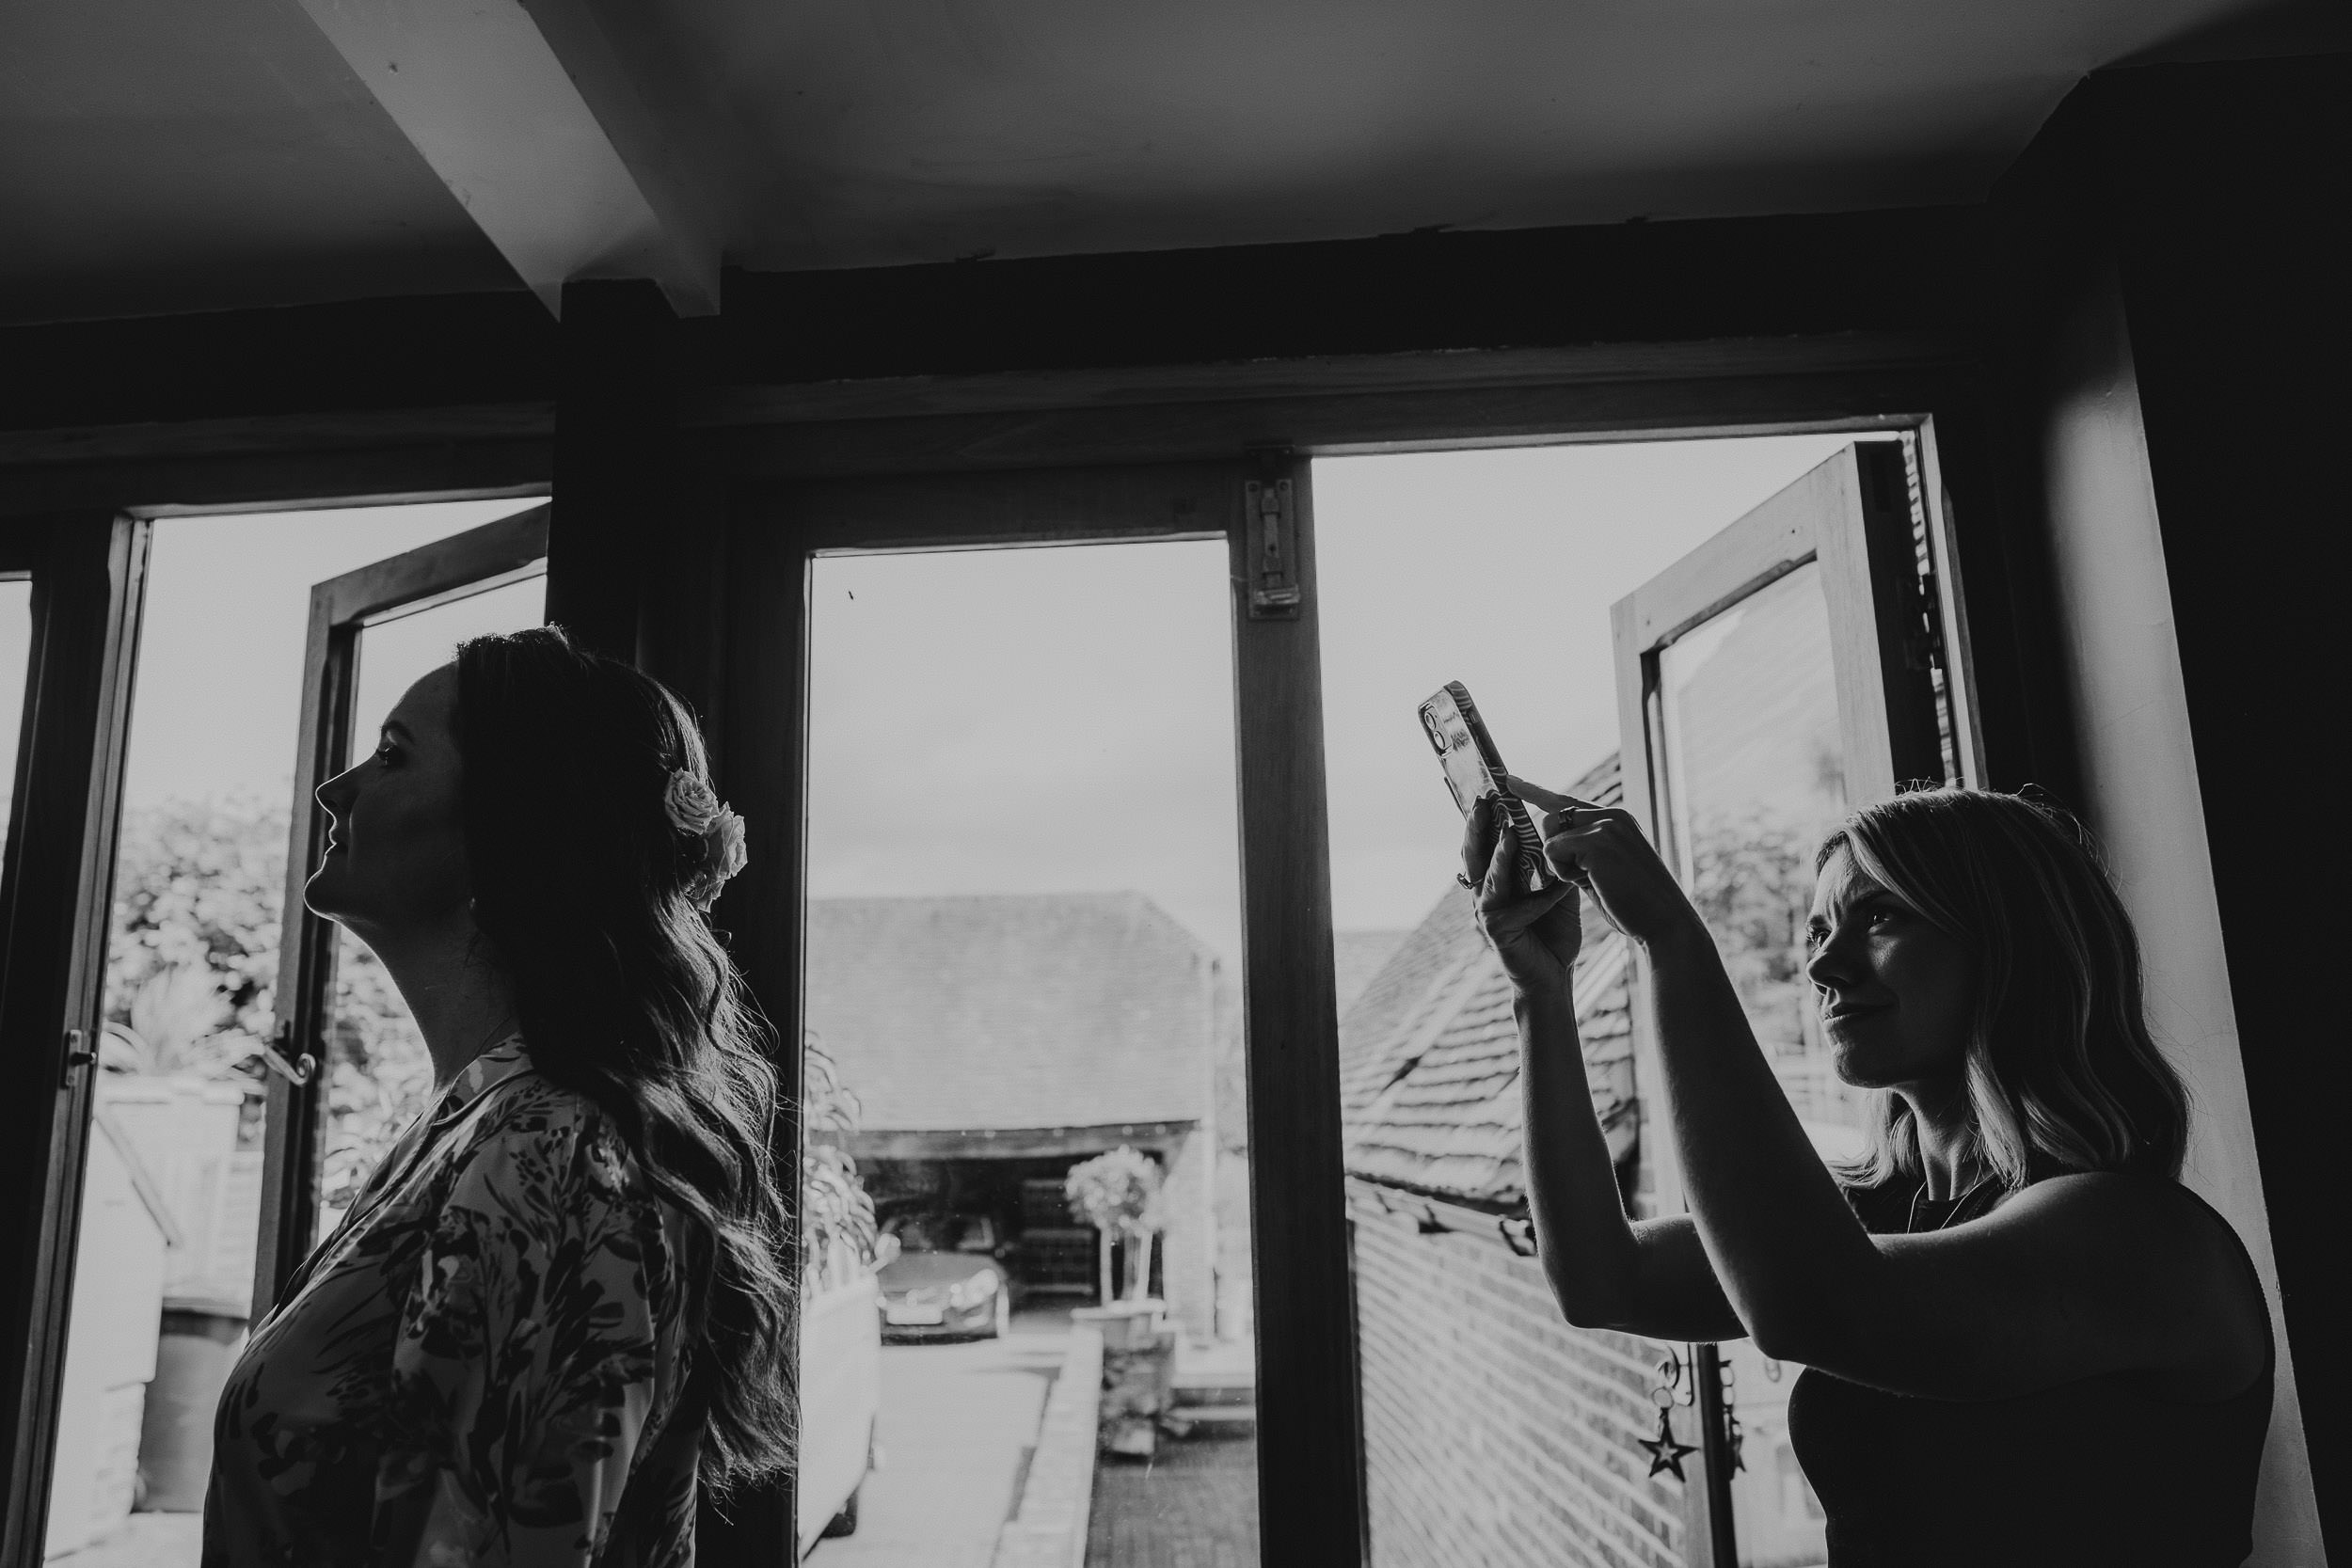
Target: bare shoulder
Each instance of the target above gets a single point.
(2149, 1216)
(2150, 1239)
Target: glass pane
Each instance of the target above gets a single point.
(1756, 778)
(164, 1266)
(1025, 1063)
(378, 1075)
(16, 644)
(1495, 1434)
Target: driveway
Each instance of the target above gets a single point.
(957, 1426)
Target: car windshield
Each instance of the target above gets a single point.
(943, 1232)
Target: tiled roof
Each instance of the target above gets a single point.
(1011, 1012)
(1429, 1063)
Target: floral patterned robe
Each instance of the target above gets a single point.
(482, 1364)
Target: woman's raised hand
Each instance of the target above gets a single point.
(1602, 850)
(1534, 934)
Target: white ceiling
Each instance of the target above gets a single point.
(161, 156)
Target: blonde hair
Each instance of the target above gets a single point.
(2060, 1068)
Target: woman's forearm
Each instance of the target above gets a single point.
(1783, 1242)
(1587, 1249)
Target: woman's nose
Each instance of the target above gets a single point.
(336, 792)
(1831, 963)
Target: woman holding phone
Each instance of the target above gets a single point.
(2024, 1340)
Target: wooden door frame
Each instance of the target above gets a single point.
(1309, 1454)
(88, 581)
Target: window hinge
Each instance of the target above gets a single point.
(1271, 507)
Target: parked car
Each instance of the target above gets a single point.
(946, 1282)
(840, 1395)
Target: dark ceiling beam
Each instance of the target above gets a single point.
(529, 113)
(619, 494)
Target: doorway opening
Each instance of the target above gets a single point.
(1027, 1115)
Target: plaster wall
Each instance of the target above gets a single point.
(2142, 797)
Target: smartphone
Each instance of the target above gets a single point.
(1473, 768)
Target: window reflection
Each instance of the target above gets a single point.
(1755, 779)
(1754, 775)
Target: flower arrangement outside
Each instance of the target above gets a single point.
(1119, 1192)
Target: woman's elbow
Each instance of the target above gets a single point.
(1804, 1337)
(1586, 1306)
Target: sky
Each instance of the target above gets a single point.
(1039, 721)
(218, 706)
(1497, 569)
(1061, 721)
(1028, 720)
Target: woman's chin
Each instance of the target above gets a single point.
(322, 893)
(1857, 1070)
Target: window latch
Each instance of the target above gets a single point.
(277, 1055)
(1273, 536)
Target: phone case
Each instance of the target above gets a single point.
(1473, 767)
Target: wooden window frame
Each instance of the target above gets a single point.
(722, 612)
(88, 574)
(1880, 727)
(1309, 1471)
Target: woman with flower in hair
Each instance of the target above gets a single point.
(2025, 1341)
(558, 1308)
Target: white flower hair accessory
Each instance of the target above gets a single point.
(691, 806)
(697, 812)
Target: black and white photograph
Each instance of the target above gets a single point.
(997, 784)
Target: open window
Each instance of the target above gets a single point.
(343, 1085)
(1786, 672)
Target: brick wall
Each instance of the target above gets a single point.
(1495, 1434)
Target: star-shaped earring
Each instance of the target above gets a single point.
(1665, 1453)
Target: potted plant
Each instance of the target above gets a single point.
(1119, 1192)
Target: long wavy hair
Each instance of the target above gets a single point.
(2061, 1070)
(584, 890)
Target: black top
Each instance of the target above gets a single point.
(2098, 1470)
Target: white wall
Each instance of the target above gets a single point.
(2142, 800)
